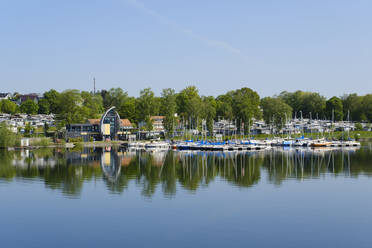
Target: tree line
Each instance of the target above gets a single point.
(189, 107)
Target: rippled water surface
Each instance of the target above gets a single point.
(106, 197)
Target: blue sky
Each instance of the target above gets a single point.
(269, 46)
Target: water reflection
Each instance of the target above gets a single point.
(66, 171)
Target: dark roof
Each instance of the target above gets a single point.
(2, 95)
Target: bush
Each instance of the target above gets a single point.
(7, 137)
(358, 127)
(75, 140)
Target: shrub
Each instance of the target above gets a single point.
(7, 137)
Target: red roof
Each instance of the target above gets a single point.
(93, 121)
(126, 123)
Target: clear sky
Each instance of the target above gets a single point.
(216, 45)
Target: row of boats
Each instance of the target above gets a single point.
(240, 145)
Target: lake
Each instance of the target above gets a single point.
(109, 197)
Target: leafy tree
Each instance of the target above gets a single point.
(313, 103)
(188, 103)
(69, 104)
(367, 107)
(358, 127)
(92, 104)
(275, 110)
(334, 105)
(224, 106)
(145, 104)
(7, 137)
(44, 106)
(29, 107)
(209, 112)
(352, 105)
(168, 108)
(52, 97)
(246, 105)
(9, 107)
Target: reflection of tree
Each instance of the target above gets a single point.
(67, 171)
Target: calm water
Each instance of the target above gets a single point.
(103, 198)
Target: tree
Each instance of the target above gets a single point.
(92, 104)
(334, 107)
(352, 106)
(275, 110)
(313, 103)
(145, 104)
(209, 111)
(168, 108)
(8, 107)
(29, 107)
(7, 137)
(224, 106)
(246, 105)
(52, 97)
(69, 104)
(367, 107)
(44, 106)
(188, 105)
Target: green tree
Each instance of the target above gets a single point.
(9, 107)
(29, 107)
(246, 105)
(145, 104)
(275, 110)
(334, 105)
(52, 97)
(209, 111)
(188, 105)
(92, 104)
(44, 106)
(169, 108)
(7, 137)
(367, 107)
(353, 106)
(69, 105)
(224, 106)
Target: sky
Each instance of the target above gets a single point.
(217, 45)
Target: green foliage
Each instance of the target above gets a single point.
(188, 105)
(334, 105)
(224, 108)
(29, 130)
(246, 105)
(7, 137)
(209, 111)
(51, 97)
(29, 107)
(7, 106)
(275, 111)
(44, 106)
(146, 105)
(70, 110)
(310, 103)
(358, 127)
(169, 108)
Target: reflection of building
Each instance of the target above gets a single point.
(110, 126)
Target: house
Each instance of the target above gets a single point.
(158, 123)
(110, 126)
(33, 96)
(5, 96)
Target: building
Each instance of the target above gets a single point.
(109, 127)
(158, 123)
(33, 96)
(5, 96)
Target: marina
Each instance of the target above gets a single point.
(240, 145)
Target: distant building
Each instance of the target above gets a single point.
(4, 96)
(158, 123)
(33, 96)
(110, 126)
